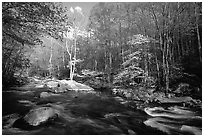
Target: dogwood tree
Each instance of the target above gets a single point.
(71, 37)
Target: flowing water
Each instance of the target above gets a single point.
(98, 114)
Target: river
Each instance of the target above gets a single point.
(96, 114)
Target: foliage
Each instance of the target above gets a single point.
(133, 70)
(23, 25)
(24, 22)
(155, 37)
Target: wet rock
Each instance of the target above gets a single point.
(75, 86)
(8, 120)
(159, 123)
(172, 112)
(40, 115)
(191, 130)
(52, 84)
(131, 132)
(26, 102)
(119, 99)
(60, 88)
(46, 94)
(39, 85)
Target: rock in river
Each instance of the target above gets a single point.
(191, 130)
(8, 120)
(46, 94)
(40, 115)
(172, 112)
(75, 86)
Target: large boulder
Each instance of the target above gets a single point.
(59, 86)
(191, 130)
(40, 115)
(172, 112)
(52, 84)
(75, 86)
(162, 124)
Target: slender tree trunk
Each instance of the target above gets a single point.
(164, 64)
(50, 60)
(105, 61)
(179, 36)
(198, 34)
(178, 51)
(96, 63)
(157, 63)
(182, 48)
(58, 69)
(110, 79)
(120, 41)
(70, 58)
(167, 64)
(63, 61)
(74, 59)
(110, 68)
(146, 65)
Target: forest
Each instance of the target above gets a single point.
(135, 69)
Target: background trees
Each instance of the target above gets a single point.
(132, 42)
(172, 29)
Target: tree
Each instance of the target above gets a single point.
(23, 25)
(174, 34)
(71, 34)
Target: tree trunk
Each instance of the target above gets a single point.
(120, 42)
(63, 60)
(74, 59)
(157, 63)
(96, 63)
(105, 61)
(70, 58)
(198, 34)
(58, 69)
(50, 60)
(146, 66)
(110, 69)
(167, 65)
